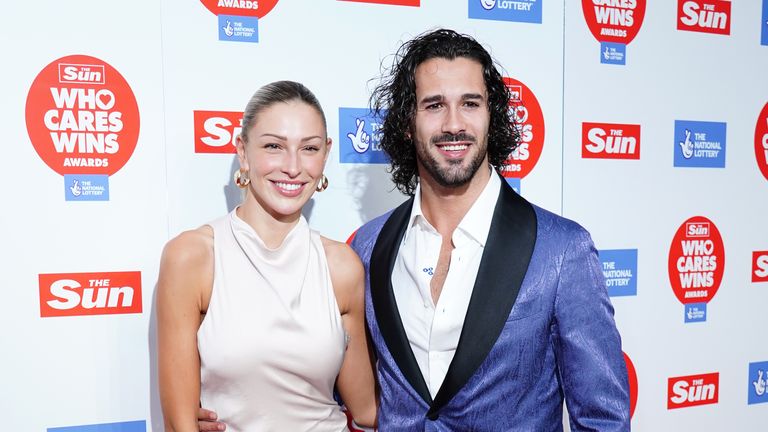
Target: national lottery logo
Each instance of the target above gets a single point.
(217, 131)
(696, 264)
(705, 16)
(610, 141)
(360, 136)
(528, 11)
(699, 144)
(757, 383)
(693, 390)
(620, 271)
(526, 112)
(106, 293)
(761, 141)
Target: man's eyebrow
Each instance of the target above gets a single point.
(431, 99)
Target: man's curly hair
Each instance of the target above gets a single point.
(396, 94)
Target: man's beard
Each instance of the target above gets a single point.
(454, 175)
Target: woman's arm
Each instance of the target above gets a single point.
(355, 382)
(183, 291)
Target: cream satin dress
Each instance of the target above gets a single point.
(272, 341)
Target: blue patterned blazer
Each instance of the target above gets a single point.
(539, 329)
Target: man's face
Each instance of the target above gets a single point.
(450, 128)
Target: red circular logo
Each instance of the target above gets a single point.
(696, 261)
(529, 119)
(612, 20)
(82, 116)
(761, 141)
(632, 376)
(253, 8)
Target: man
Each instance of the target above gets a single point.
(485, 310)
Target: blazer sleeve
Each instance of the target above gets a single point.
(587, 344)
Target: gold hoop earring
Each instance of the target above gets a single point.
(322, 184)
(241, 178)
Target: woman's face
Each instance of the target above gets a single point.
(285, 155)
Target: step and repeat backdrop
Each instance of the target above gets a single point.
(645, 121)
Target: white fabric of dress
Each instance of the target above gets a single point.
(272, 341)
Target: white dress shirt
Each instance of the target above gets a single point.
(433, 330)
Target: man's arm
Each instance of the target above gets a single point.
(588, 347)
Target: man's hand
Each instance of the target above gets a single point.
(206, 421)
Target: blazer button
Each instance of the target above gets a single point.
(432, 416)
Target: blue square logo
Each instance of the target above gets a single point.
(764, 24)
(695, 312)
(699, 144)
(620, 271)
(527, 11)
(235, 28)
(758, 383)
(132, 426)
(613, 53)
(86, 187)
(514, 182)
(360, 137)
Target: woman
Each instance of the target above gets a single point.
(259, 316)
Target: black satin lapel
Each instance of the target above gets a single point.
(505, 260)
(383, 298)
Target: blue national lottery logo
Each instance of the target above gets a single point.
(360, 137)
(695, 312)
(758, 383)
(528, 11)
(514, 183)
(238, 28)
(86, 187)
(132, 426)
(764, 24)
(699, 144)
(620, 271)
(613, 53)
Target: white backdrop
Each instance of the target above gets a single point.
(96, 367)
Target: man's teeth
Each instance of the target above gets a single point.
(288, 186)
(457, 147)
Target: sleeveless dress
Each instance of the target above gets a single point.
(272, 341)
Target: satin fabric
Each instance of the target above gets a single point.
(272, 341)
(559, 342)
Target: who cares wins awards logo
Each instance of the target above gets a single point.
(525, 110)
(761, 141)
(633, 389)
(71, 294)
(614, 23)
(238, 20)
(83, 121)
(696, 265)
